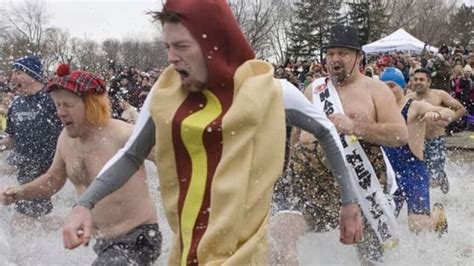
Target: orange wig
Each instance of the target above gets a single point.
(98, 110)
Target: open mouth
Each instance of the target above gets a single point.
(67, 123)
(336, 68)
(183, 73)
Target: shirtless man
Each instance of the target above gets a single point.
(371, 116)
(126, 225)
(435, 155)
(407, 160)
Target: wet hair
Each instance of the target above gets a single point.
(98, 110)
(423, 70)
(165, 16)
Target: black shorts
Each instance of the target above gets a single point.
(140, 246)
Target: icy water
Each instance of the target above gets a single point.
(40, 247)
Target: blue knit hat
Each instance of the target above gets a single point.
(393, 74)
(31, 65)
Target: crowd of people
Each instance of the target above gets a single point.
(450, 70)
(215, 122)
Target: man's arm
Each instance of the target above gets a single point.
(43, 187)
(451, 103)
(432, 113)
(389, 129)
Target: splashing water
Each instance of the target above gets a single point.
(43, 247)
(455, 248)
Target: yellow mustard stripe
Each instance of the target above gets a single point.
(192, 130)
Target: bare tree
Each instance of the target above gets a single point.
(143, 54)
(87, 55)
(56, 48)
(427, 20)
(3, 27)
(402, 14)
(257, 20)
(112, 47)
(131, 52)
(27, 21)
(433, 21)
(278, 36)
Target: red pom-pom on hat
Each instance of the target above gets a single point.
(63, 70)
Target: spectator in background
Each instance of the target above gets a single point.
(145, 87)
(129, 113)
(404, 67)
(308, 79)
(459, 85)
(155, 73)
(440, 73)
(414, 64)
(369, 71)
(444, 51)
(470, 60)
(113, 89)
(469, 78)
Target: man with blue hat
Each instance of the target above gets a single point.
(32, 130)
(408, 161)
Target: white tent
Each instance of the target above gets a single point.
(400, 40)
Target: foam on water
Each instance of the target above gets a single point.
(46, 248)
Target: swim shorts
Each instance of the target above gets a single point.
(140, 246)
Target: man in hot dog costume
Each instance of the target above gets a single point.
(217, 117)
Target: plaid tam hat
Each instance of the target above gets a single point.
(78, 81)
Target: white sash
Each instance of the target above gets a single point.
(375, 204)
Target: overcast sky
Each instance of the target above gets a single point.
(102, 19)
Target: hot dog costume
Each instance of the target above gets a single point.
(219, 151)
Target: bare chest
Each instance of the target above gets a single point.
(431, 98)
(82, 170)
(84, 163)
(358, 105)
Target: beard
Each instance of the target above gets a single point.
(339, 76)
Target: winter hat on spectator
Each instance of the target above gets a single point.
(394, 75)
(78, 81)
(343, 36)
(31, 65)
(467, 68)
